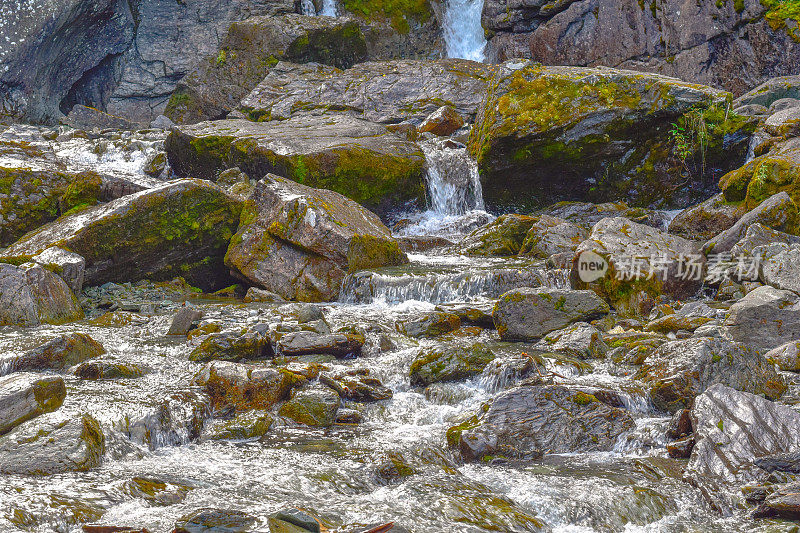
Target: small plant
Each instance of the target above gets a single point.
(222, 57)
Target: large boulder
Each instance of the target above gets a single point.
(781, 266)
(300, 242)
(181, 228)
(25, 396)
(732, 430)
(643, 262)
(57, 354)
(679, 371)
(545, 134)
(550, 235)
(315, 405)
(31, 295)
(765, 318)
(49, 446)
(385, 91)
(250, 49)
(735, 45)
(503, 237)
(359, 159)
(245, 387)
(776, 171)
(530, 421)
(452, 363)
(707, 219)
(529, 314)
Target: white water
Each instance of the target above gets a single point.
(463, 33)
(329, 8)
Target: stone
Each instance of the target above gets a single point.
(679, 371)
(250, 344)
(176, 420)
(89, 118)
(580, 340)
(682, 448)
(314, 406)
(68, 265)
(758, 237)
(357, 386)
(777, 212)
(31, 295)
(210, 520)
(550, 236)
(615, 240)
(503, 237)
(546, 134)
(431, 324)
(680, 425)
(57, 354)
(449, 363)
(254, 294)
(44, 447)
(358, 159)
(24, 397)
(183, 320)
(781, 267)
(442, 122)
(246, 425)
(300, 242)
(786, 356)
(155, 491)
(531, 421)
(765, 318)
(110, 370)
(771, 91)
(676, 322)
(707, 219)
(180, 228)
(339, 345)
(530, 314)
(245, 387)
(586, 214)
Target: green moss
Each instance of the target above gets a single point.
(398, 12)
(781, 11)
(582, 398)
(85, 191)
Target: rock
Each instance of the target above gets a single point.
(293, 520)
(300, 242)
(251, 344)
(784, 502)
(183, 320)
(680, 425)
(393, 468)
(580, 340)
(781, 267)
(676, 322)
(23, 397)
(339, 345)
(361, 160)
(450, 363)
(248, 51)
(682, 448)
(778, 212)
(777, 170)
(549, 236)
(57, 354)
(443, 122)
(246, 425)
(431, 324)
(254, 294)
(89, 118)
(758, 236)
(68, 265)
(718, 44)
(546, 134)
(155, 165)
(175, 421)
(243, 386)
(529, 314)
(771, 91)
(110, 370)
(31, 295)
(303, 313)
(386, 92)
(213, 520)
(765, 318)
(627, 247)
(528, 422)
(707, 219)
(786, 356)
(503, 237)
(479, 315)
(180, 228)
(357, 386)
(155, 491)
(586, 214)
(45, 447)
(314, 406)
(733, 429)
(161, 123)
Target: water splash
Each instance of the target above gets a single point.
(307, 8)
(463, 33)
(329, 8)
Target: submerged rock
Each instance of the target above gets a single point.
(31, 295)
(24, 396)
(110, 370)
(180, 228)
(246, 425)
(529, 314)
(679, 371)
(44, 447)
(175, 421)
(530, 421)
(449, 363)
(210, 520)
(300, 242)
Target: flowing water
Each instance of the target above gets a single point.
(329, 8)
(463, 32)
(332, 472)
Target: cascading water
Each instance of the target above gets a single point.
(328, 9)
(463, 33)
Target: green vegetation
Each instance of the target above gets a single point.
(398, 12)
(781, 11)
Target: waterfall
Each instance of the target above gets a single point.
(329, 8)
(307, 8)
(463, 32)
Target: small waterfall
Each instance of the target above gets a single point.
(307, 8)
(463, 32)
(329, 8)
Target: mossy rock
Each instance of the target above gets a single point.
(456, 363)
(762, 177)
(246, 425)
(503, 237)
(314, 406)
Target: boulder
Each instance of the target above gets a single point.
(110, 370)
(45, 447)
(777, 212)
(679, 371)
(771, 91)
(531, 421)
(786, 356)
(442, 122)
(707, 219)
(781, 267)
(546, 134)
(246, 425)
(31, 295)
(776, 171)
(57, 354)
(183, 320)
(180, 228)
(361, 160)
(340, 345)
(450, 363)
(244, 386)
(732, 430)
(70, 266)
(503, 237)
(176, 420)
(529, 314)
(300, 242)
(155, 492)
(759, 236)
(357, 386)
(89, 118)
(765, 318)
(641, 260)
(586, 214)
(209, 520)
(430, 324)
(386, 92)
(24, 396)
(580, 340)
(251, 344)
(251, 47)
(314, 406)
(549, 236)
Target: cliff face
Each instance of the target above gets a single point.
(727, 44)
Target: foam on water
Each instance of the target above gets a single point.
(463, 33)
